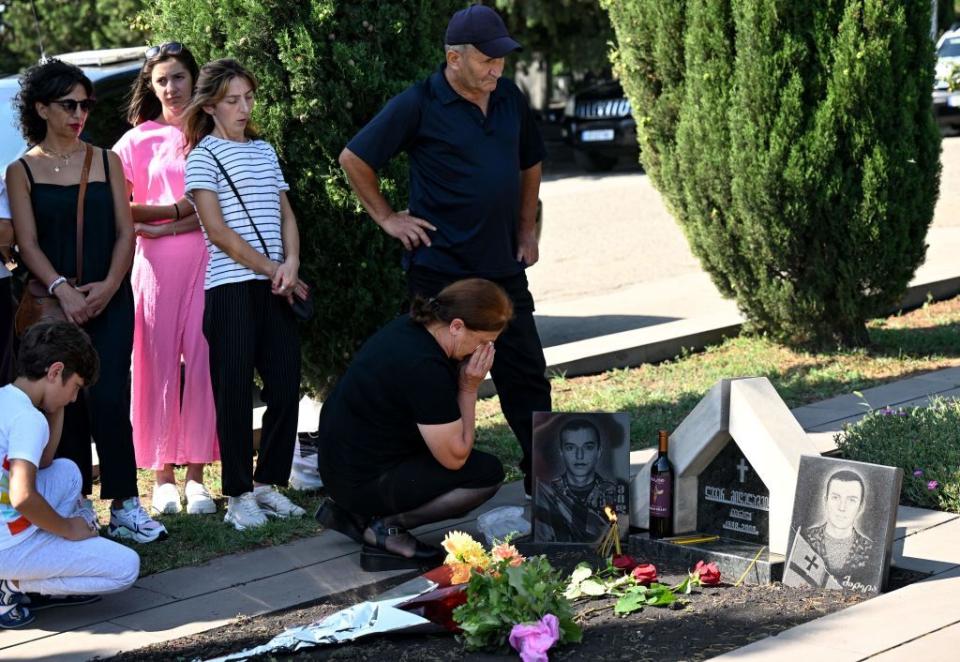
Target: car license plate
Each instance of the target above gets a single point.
(954, 100)
(596, 135)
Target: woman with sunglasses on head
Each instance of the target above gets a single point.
(240, 194)
(81, 257)
(169, 263)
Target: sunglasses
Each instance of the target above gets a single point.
(70, 105)
(166, 48)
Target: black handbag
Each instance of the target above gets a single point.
(303, 308)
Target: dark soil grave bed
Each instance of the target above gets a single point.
(715, 620)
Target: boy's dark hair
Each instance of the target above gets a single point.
(46, 343)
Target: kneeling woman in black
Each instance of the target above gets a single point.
(396, 434)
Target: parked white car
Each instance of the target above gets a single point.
(946, 103)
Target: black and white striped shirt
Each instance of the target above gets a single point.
(255, 171)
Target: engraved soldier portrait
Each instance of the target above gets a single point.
(840, 533)
(569, 504)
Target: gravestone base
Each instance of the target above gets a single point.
(733, 557)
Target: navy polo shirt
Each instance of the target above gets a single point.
(464, 171)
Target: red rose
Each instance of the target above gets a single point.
(645, 573)
(624, 562)
(707, 573)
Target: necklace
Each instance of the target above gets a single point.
(65, 157)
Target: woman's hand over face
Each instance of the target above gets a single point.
(474, 369)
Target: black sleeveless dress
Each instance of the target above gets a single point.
(103, 410)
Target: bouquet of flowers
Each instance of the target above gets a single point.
(509, 598)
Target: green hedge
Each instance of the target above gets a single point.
(924, 442)
(794, 142)
(325, 68)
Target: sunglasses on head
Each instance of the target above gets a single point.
(70, 105)
(166, 48)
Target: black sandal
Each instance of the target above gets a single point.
(331, 515)
(376, 558)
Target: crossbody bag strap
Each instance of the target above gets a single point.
(233, 188)
(81, 197)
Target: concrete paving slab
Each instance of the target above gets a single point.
(824, 442)
(100, 640)
(915, 520)
(939, 646)
(241, 568)
(883, 622)
(55, 621)
(772, 649)
(933, 550)
(946, 378)
(207, 611)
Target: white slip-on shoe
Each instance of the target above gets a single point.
(165, 499)
(199, 500)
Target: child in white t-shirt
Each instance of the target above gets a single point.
(50, 551)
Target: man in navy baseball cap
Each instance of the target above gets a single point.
(483, 28)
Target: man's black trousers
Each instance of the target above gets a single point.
(519, 367)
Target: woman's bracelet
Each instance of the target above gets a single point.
(57, 282)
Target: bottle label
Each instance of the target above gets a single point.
(661, 495)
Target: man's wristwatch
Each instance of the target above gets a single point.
(57, 282)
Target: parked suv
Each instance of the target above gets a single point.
(598, 125)
(946, 104)
(111, 71)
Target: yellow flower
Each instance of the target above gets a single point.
(461, 548)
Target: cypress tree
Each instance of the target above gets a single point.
(794, 143)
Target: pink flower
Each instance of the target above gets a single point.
(932, 485)
(707, 574)
(918, 472)
(624, 562)
(645, 573)
(506, 552)
(533, 640)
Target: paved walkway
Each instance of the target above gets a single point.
(921, 619)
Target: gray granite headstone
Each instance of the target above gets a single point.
(844, 517)
(581, 463)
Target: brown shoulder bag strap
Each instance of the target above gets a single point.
(81, 196)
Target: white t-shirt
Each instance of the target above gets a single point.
(23, 436)
(5, 217)
(255, 171)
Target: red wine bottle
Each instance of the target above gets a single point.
(661, 492)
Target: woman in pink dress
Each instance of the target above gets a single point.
(167, 276)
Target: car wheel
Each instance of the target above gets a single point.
(593, 162)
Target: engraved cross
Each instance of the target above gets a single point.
(811, 562)
(743, 468)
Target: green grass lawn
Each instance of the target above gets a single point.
(656, 396)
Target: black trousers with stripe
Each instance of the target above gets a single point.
(248, 328)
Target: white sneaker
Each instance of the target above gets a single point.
(165, 499)
(244, 512)
(199, 500)
(275, 504)
(133, 523)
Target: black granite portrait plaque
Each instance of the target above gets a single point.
(732, 500)
(841, 533)
(581, 464)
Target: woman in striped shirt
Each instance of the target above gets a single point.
(235, 182)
